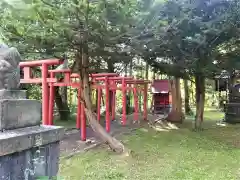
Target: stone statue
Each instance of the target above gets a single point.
(9, 68)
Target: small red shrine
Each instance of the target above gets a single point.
(161, 96)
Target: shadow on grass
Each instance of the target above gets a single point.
(227, 135)
(176, 154)
(164, 155)
(70, 123)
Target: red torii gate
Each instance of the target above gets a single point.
(109, 82)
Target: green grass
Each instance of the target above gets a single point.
(174, 155)
(71, 123)
(213, 115)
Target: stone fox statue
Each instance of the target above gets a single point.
(9, 68)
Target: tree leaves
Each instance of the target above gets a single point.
(191, 33)
(187, 32)
(54, 26)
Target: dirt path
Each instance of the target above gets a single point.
(71, 143)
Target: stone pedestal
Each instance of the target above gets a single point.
(28, 150)
(12, 94)
(232, 113)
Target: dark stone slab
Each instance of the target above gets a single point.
(12, 94)
(25, 138)
(19, 113)
(232, 113)
(53, 154)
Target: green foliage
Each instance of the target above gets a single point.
(46, 29)
(34, 92)
(175, 37)
(179, 38)
(184, 36)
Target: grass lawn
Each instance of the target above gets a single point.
(213, 154)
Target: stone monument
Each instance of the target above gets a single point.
(28, 150)
(232, 107)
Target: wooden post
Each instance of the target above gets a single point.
(99, 103)
(83, 123)
(45, 95)
(79, 108)
(27, 72)
(145, 101)
(124, 102)
(51, 100)
(136, 110)
(113, 104)
(108, 123)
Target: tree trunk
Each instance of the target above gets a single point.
(128, 96)
(200, 101)
(178, 95)
(176, 114)
(62, 103)
(146, 71)
(70, 97)
(232, 79)
(186, 98)
(154, 75)
(83, 61)
(192, 89)
(96, 101)
(173, 93)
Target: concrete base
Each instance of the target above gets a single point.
(12, 94)
(29, 165)
(24, 138)
(18, 113)
(30, 152)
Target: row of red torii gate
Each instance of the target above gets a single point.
(108, 82)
